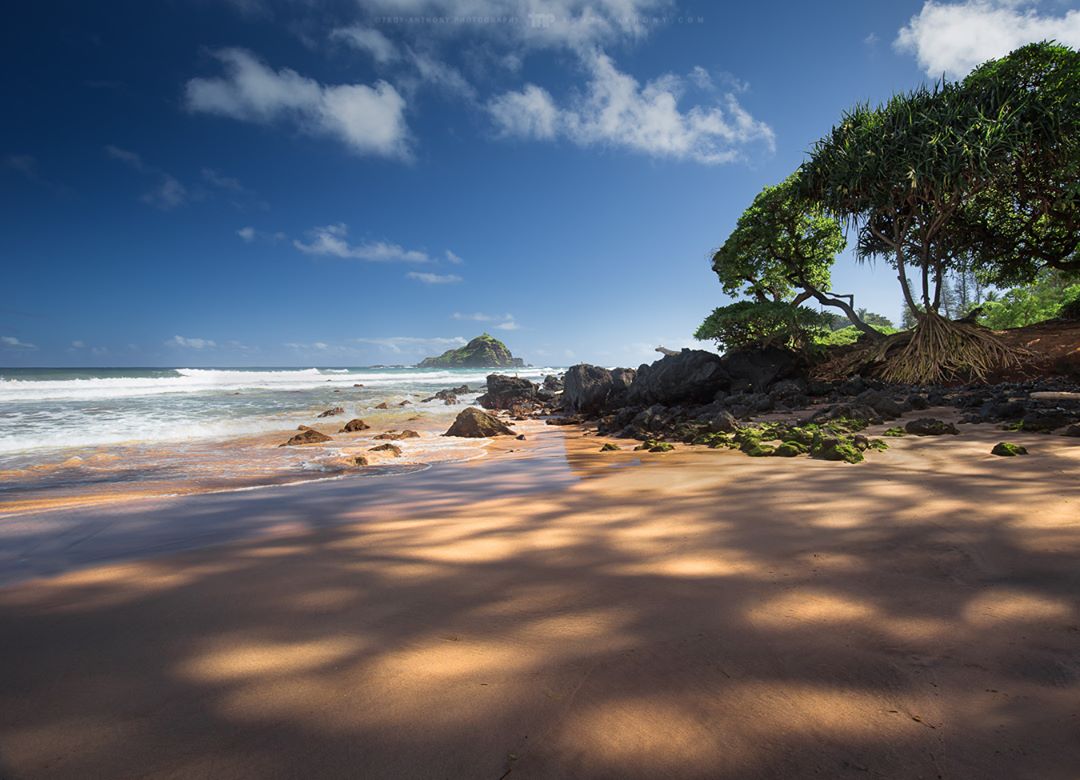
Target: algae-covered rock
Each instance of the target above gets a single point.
(1008, 449)
(609, 447)
(895, 432)
(789, 449)
(654, 445)
(760, 450)
(837, 449)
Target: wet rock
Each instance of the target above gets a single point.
(393, 449)
(397, 435)
(553, 384)
(473, 423)
(309, 436)
(723, 422)
(332, 412)
(505, 392)
(383, 405)
(353, 426)
(928, 426)
(360, 460)
(609, 447)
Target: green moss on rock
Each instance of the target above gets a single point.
(484, 351)
(1008, 449)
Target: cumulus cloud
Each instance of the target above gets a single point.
(188, 343)
(77, 344)
(952, 38)
(11, 342)
(429, 278)
(247, 234)
(615, 110)
(510, 324)
(367, 119)
(453, 258)
(332, 240)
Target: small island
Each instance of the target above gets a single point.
(484, 351)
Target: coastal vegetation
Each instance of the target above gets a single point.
(484, 351)
(961, 188)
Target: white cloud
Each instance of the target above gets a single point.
(529, 113)
(332, 240)
(504, 321)
(11, 342)
(427, 278)
(210, 176)
(617, 111)
(573, 24)
(399, 344)
(78, 344)
(188, 343)
(952, 38)
(367, 119)
(453, 258)
(247, 234)
(167, 194)
(381, 49)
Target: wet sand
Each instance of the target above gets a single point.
(555, 612)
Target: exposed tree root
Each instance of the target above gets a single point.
(937, 351)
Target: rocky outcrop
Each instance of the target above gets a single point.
(354, 426)
(553, 384)
(308, 436)
(397, 435)
(928, 426)
(508, 392)
(692, 376)
(484, 351)
(754, 370)
(591, 389)
(332, 412)
(473, 423)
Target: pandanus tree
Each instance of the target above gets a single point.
(781, 251)
(904, 175)
(1027, 221)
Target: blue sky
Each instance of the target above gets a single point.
(344, 183)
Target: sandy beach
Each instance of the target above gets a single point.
(552, 611)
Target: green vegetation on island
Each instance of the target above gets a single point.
(484, 351)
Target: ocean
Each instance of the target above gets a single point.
(75, 433)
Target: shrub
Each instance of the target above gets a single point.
(763, 323)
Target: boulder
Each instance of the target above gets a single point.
(332, 412)
(723, 422)
(1044, 421)
(360, 460)
(473, 423)
(553, 384)
(885, 406)
(692, 376)
(397, 435)
(352, 426)
(756, 369)
(309, 436)
(928, 426)
(591, 389)
(1072, 430)
(505, 392)
(1007, 449)
(383, 405)
(393, 449)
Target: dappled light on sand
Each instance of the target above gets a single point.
(550, 614)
